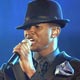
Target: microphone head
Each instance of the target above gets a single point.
(27, 41)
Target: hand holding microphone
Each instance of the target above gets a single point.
(22, 51)
(19, 50)
(26, 61)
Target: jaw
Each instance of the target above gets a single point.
(43, 51)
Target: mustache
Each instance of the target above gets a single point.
(30, 35)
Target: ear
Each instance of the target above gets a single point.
(55, 31)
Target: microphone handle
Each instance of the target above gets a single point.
(14, 58)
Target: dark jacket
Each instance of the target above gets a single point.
(14, 72)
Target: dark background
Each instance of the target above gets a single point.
(12, 13)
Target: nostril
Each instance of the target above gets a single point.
(32, 32)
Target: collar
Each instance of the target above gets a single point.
(49, 58)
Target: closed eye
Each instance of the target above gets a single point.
(38, 27)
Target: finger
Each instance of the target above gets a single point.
(25, 49)
(26, 46)
(23, 55)
(17, 48)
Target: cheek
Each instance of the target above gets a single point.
(44, 38)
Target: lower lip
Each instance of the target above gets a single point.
(32, 42)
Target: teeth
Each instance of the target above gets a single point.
(31, 39)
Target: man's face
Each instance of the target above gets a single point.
(40, 36)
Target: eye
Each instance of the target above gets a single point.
(38, 27)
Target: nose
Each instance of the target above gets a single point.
(30, 32)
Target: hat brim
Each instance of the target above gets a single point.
(62, 23)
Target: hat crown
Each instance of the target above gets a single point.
(44, 9)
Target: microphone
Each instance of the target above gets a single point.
(15, 57)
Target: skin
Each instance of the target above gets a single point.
(43, 37)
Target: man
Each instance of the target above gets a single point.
(40, 58)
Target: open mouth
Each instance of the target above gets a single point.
(32, 41)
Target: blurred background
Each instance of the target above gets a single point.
(12, 14)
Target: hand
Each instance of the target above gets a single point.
(26, 62)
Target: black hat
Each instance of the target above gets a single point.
(42, 11)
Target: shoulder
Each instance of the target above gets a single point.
(73, 60)
(75, 63)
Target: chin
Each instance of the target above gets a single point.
(35, 49)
